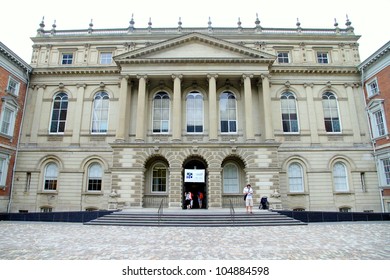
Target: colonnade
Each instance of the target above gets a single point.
(126, 89)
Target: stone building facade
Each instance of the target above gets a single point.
(135, 117)
(14, 79)
(375, 73)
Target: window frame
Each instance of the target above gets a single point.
(369, 88)
(336, 177)
(191, 115)
(159, 166)
(14, 90)
(330, 109)
(4, 164)
(282, 59)
(323, 57)
(384, 171)
(103, 60)
(161, 123)
(374, 107)
(230, 121)
(58, 121)
(91, 185)
(301, 188)
(226, 188)
(8, 106)
(97, 112)
(51, 178)
(289, 121)
(67, 58)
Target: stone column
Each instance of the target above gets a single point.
(78, 113)
(213, 114)
(269, 130)
(175, 187)
(141, 105)
(214, 192)
(176, 115)
(353, 113)
(37, 114)
(311, 112)
(248, 107)
(124, 109)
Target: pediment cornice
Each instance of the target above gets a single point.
(234, 53)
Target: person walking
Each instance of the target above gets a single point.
(248, 192)
(200, 199)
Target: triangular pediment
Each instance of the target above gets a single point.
(195, 47)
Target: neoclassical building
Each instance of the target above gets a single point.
(135, 117)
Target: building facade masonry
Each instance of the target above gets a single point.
(135, 117)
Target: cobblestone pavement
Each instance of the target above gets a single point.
(73, 241)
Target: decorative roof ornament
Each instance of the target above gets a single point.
(336, 26)
(131, 26)
(179, 24)
(349, 26)
(239, 24)
(150, 23)
(257, 22)
(41, 26)
(298, 24)
(90, 27)
(53, 29)
(209, 24)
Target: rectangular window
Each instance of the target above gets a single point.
(386, 171)
(322, 57)
(28, 182)
(283, 57)
(379, 123)
(67, 58)
(13, 86)
(95, 184)
(105, 58)
(372, 88)
(3, 170)
(7, 121)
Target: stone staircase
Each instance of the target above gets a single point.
(195, 218)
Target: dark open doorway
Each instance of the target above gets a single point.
(198, 188)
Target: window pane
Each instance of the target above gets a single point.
(295, 178)
(230, 179)
(340, 177)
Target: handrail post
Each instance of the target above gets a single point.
(160, 210)
(232, 212)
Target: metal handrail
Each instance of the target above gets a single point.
(160, 211)
(232, 212)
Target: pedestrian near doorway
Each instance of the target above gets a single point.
(200, 199)
(248, 192)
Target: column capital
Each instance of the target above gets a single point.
(178, 76)
(142, 76)
(209, 76)
(244, 76)
(264, 75)
(81, 85)
(305, 85)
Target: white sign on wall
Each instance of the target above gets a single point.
(194, 175)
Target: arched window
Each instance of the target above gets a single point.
(51, 175)
(331, 112)
(295, 178)
(228, 112)
(101, 104)
(194, 112)
(340, 177)
(59, 112)
(95, 175)
(159, 178)
(161, 113)
(289, 112)
(230, 178)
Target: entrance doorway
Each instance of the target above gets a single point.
(195, 184)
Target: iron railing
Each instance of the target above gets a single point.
(160, 211)
(232, 212)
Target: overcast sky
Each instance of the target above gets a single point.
(20, 19)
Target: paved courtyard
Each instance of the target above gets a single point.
(73, 241)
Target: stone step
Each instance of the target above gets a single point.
(194, 218)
